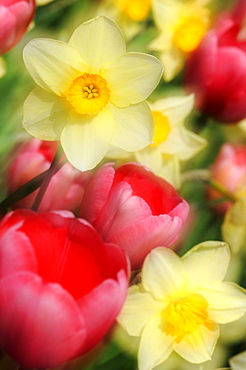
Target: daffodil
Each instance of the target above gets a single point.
(2, 67)
(182, 25)
(180, 302)
(91, 93)
(172, 142)
(238, 362)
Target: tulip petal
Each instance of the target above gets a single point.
(86, 139)
(53, 64)
(132, 78)
(29, 309)
(133, 126)
(99, 41)
(227, 301)
(163, 273)
(198, 346)
(138, 310)
(155, 345)
(208, 261)
(45, 115)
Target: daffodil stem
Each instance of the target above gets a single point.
(46, 180)
(222, 190)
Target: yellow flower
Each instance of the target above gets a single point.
(91, 93)
(182, 25)
(2, 67)
(180, 303)
(172, 142)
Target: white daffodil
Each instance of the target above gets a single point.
(91, 93)
(182, 25)
(180, 302)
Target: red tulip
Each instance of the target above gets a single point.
(229, 170)
(61, 287)
(133, 208)
(216, 70)
(66, 188)
(15, 17)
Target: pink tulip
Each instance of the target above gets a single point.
(216, 70)
(229, 169)
(61, 287)
(66, 188)
(133, 208)
(15, 17)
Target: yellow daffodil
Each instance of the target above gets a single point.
(182, 25)
(172, 142)
(180, 302)
(91, 93)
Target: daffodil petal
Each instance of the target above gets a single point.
(45, 115)
(198, 346)
(53, 64)
(132, 78)
(170, 170)
(155, 345)
(150, 157)
(227, 301)
(86, 139)
(207, 261)
(138, 309)
(238, 362)
(165, 13)
(99, 41)
(175, 108)
(163, 273)
(173, 61)
(133, 126)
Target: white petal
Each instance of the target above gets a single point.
(198, 346)
(173, 61)
(165, 13)
(132, 78)
(150, 157)
(238, 362)
(155, 345)
(207, 261)
(45, 114)
(138, 310)
(86, 139)
(53, 64)
(227, 301)
(133, 126)
(99, 41)
(175, 108)
(163, 273)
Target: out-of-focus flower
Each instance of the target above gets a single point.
(229, 170)
(61, 287)
(216, 71)
(66, 188)
(2, 67)
(180, 303)
(133, 208)
(238, 362)
(91, 94)
(43, 2)
(182, 25)
(15, 17)
(172, 142)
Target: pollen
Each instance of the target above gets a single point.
(189, 33)
(183, 316)
(88, 94)
(161, 128)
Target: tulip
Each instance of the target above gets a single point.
(15, 17)
(229, 170)
(61, 287)
(216, 70)
(66, 187)
(133, 208)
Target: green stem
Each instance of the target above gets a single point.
(222, 190)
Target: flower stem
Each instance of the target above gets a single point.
(222, 190)
(46, 180)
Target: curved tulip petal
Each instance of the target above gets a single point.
(29, 309)
(133, 126)
(89, 39)
(214, 255)
(82, 133)
(155, 351)
(45, 115)
(53, 64)
(132, 78)
(198, 346)
(133, 319)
